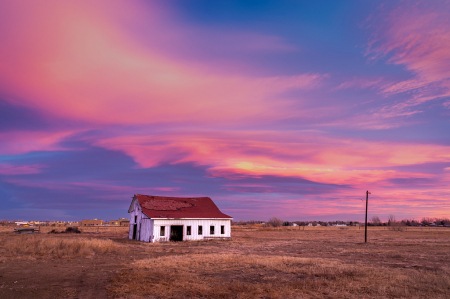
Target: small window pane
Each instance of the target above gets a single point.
(200, 230)
(211, 230)
(188, 231)
(163, 231)
(222, 229)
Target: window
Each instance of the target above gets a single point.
(162, 233)
(135, 219)
(188, 230)
(211, 230)
(222, 229)
(200, 230)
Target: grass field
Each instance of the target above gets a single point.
(259, 262)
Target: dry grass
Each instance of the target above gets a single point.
(317, 262)
(322, 262)
(252, 276)
(90, 229)
(44, 246)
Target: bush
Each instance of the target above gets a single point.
(275, 222)
(73, 230)
(376, 221)
(395, 225)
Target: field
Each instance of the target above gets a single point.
(258, 263)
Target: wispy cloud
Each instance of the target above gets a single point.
(99, 100)
(415, 35)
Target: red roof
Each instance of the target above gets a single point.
(179, 207)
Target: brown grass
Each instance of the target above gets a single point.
(323, 262)
(252, 276)
(317, 262)
(90, 229)
(44, 246)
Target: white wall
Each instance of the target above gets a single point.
(194, 223)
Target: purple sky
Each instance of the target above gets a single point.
(288, 109)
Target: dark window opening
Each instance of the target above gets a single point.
(176, 233)
(188, 230)
(135, 219)
(211, 230)
(200, 230)
(222, 229)
(163, 231)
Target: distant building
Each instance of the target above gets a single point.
(159, 219)
(120, 222)
(93, 222)
(18, 223)
(124, 222)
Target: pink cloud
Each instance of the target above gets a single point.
(21, 142)
(86, 67)
(323, 159)
(416, 36)
(9, 169)
(98, 186)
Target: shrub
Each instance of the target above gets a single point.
(275, 222)
(376, 221)
(73, 230)
(395, 225)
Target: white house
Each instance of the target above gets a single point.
(160, 219)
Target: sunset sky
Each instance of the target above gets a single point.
(290, 109)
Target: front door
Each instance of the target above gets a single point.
(176, 233)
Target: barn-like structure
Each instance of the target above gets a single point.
(160, 219)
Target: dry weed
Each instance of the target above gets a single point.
(38, 246)
(252, 276)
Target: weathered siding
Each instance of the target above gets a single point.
(194, 223)
(146, 231)
(135, 218)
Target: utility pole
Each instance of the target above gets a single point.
(367, 204)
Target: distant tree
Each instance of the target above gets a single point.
(376, 221)
(426, 221)
(395, 225)
(275, 222)
(391, 220)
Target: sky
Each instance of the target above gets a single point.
(288, 109)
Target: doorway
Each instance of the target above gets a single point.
(176, 233)
(134, 231)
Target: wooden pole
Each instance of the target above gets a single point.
(365, 227)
